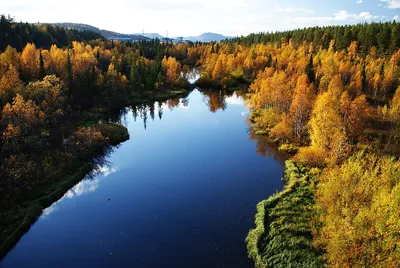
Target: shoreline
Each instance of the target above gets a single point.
(282, 233)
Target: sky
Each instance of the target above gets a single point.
(193, 17)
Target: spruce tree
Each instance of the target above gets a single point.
(42, 72)
(69, 68)
(310, 70)
(269, 61)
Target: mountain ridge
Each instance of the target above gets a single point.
(204, 37)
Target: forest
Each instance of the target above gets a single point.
(329, 96)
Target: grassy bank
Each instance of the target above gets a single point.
(282, 236)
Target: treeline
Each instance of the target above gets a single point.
(18, 34)
(96, 73)
(384, 36)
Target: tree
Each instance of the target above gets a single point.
(10, 84)
(23, 119)
(30, 64)
(326, 127)
(42, 72)
(69, 68)
(301, 105)
(310, 70)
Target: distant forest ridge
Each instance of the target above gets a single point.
(384, 36)
(18, 34)
(107, 34)
(205, 37)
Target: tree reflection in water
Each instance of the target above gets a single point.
(266, 147)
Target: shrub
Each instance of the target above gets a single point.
(115, 133)
(86, 142)
(266, 119)
(311, 156)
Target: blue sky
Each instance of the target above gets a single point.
(193, 17)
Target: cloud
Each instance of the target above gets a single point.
(359, 2)
(233, 100)
(344, 15)
(396, 17)
(392, 4)
(337, 18)
(83, 187)
(293, 9)
(106, 170)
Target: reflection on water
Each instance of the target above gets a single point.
(89, 184)
(265, 147)
(183, 192)
(218, 99)
(192, 76)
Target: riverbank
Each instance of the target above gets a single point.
(18, 219)
(282, 236)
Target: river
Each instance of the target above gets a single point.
(182, 192)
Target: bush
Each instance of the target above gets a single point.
(266, 119)
(86, 142)
(289, 148)
(311, 156)
(115, 133)
(282, 131)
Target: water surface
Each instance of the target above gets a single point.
(180, 193)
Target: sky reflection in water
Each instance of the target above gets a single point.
(180, 193)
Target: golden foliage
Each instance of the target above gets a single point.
(360, 212)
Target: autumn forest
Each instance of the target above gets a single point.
(329, 97)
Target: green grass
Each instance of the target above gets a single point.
(282, 235)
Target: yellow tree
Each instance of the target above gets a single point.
(301, 105)
(22, 119)
(30, 61)
(357, 117)
(326, 127)
(9, 57)
(10, 84)
(172, 68)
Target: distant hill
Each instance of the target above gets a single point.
(207, 37)
(107, 34)
(152, 35)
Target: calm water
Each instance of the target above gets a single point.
(182, 193)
